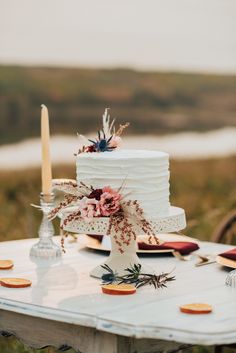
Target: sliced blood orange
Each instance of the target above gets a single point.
(196, 308)
(6, 264)
(15, 282)
(118, 289)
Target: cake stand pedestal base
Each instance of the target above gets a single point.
(118, 261)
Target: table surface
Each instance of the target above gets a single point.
(65, 292)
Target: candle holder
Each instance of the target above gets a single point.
(46, 248)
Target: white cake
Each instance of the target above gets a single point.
(144, 175)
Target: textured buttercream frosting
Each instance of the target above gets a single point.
(144, 175)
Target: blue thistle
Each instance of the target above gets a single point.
(101, 144)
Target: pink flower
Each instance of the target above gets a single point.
(115, 142)
(109, 201)
(89, 208)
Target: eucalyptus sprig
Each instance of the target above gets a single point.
(135, 276)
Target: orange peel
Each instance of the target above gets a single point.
(118, 289)
(196, 308)
(15, 282)
(6, 264)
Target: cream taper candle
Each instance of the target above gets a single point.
(46, 160)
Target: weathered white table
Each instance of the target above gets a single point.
(65, 306)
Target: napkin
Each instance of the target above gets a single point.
(183, 247)
(230, 254)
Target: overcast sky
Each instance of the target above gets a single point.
(145, 34)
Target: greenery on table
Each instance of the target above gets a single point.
(134, 275)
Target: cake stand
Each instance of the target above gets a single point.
(172, 222)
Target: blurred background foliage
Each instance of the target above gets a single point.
(204, 188)
(152, 102)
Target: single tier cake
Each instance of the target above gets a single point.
(143, 174)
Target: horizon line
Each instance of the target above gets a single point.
(134, 68)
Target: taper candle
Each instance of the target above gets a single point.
(46, 160)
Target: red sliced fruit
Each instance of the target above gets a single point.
(118, 289)
(15, 282)
(6, 264)
(196, 308)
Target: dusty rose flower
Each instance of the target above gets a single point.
(109, 201)
(115, 142)
(89, 208)
(111, 191)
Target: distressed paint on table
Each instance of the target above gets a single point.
(65, 294)
(38, 333)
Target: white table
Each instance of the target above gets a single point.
(65, 306)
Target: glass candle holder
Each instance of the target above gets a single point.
(46, 248)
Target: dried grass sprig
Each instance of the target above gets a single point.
(121, 129)
(126, 222)
(74, 216)
(69, 200)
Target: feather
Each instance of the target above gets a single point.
(107, 124)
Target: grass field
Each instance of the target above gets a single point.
(205, 189)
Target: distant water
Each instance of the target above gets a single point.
(186, 145)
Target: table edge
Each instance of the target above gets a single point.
(117, 328)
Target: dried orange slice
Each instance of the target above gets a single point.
(15, 282)
(6, 264)
(196, 308)
(118, 289)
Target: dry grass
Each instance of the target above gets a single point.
(205, 189)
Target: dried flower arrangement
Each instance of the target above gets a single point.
(107, 140)
(88, 203)
(136, 277)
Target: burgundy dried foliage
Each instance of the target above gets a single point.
(96, 194)
(68, 200)
(124, 226)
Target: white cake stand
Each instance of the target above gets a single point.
(173, 222)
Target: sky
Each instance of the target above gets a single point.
(175, 35)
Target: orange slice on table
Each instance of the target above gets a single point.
(118, 289)
(196, 308)
(15, 282)
(6, 264)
